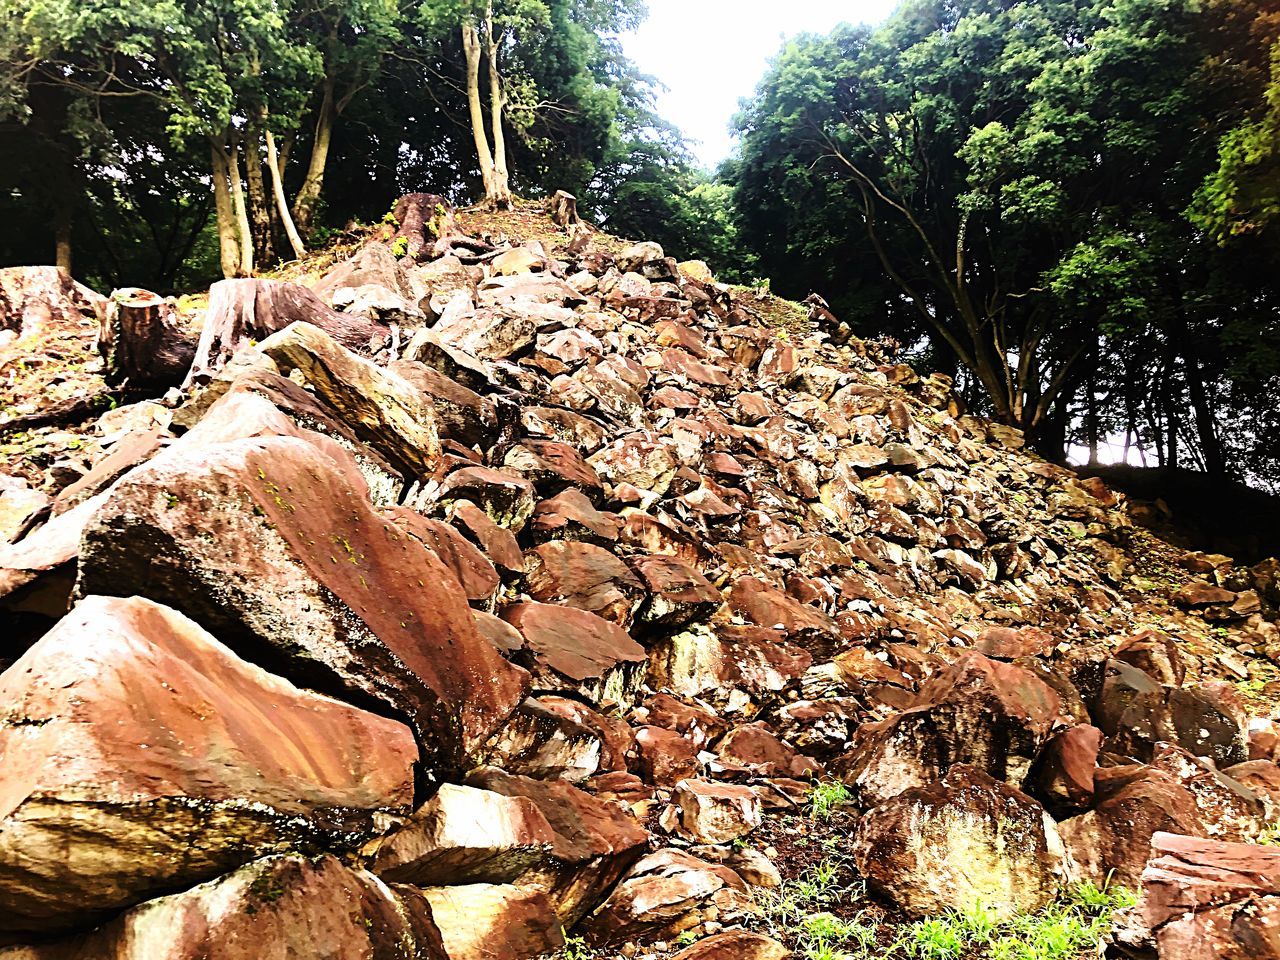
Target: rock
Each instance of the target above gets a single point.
(464, 835)
(664, 757)
(664, 894)
(735, 667)
(1208, 900)
(593, 842)
(464, 415)
(506, 498)
(546, 744)
(638, 254)
(571, 516)
(482, 921)
(1065, 771)
(735, 945)
(715, 812)
(384, 410)
(757, 748)
(469, 566)
(278, 907)
(979, 712)
(584, 576)
(678, 594)
(570, 649)
(19, 505)
(154, 758)
(1155, 654)
(963, 840)
(267, 544)
(1113, 839)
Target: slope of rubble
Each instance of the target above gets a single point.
(512, 591)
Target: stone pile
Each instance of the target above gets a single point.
(519, 619)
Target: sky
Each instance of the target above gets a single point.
(712, 53)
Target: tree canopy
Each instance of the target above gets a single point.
(1013, 186)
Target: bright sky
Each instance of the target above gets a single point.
(711, 53)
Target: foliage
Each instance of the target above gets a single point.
(1009, 183)
(827, 796)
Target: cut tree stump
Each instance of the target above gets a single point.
(562, 206)
(35, 299)
(242, 312)
(429, 225)
(142, 341)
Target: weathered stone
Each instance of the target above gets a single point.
(152, 757)
(275, 908)
(736, 667)
(585, 576)
(384, 410)
(267, 544)
(571, 516)
(735, 945)
(543, 743)
(965, 839)
(482, 921)
(571, 649)
(506, 497)
(757, 748)
(979, 712)
(716, 812)
(664, 894)
(1208, 900)
(664, 757)
(593, 842)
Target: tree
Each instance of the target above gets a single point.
(1006, 179)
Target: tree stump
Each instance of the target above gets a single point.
(35, 299)
(242, 312)
(562, 206)
(142, 341)
(428, 223)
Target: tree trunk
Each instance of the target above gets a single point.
(62, 236)
(242, 212)
(304, 204)
(259, 203)
(228, 245)
(1206, 429)
(142, 341)
(429, 227)
(241, 311)
(471, 48)
(501, 196)
(282, 204)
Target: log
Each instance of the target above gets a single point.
(429, 225)
(142, 341)
(242, 312)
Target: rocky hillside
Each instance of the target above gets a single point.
(504, 590)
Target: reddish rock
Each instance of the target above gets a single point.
(1155, 654)
(498, 543)
(1134, 803)
(666, 893)
(699, 723)
(981, 712)
(664, 757)
(585, 576)
(571, 516)
(154, 758)
(965, 839)
(729, 666)
(735, 945)
(482, 921)
(642, 460)
(1208, 900)
(546, 744)
(506, 498)
(716, 812)
(283, 906)
(593, 842)
(570, 649)
(269, 545)
(678, 594)
(767, 607)
(476, 574)
(1198, 593)
(756, 747)
(1064, 772)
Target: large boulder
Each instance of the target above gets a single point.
(271, 545)
(738, 668)
(964, 840)
(139, 754)
(382, 408)
(277, 908)
(991, 715)
(1209, 900)
(488, 921)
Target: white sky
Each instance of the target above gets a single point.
(711, 53)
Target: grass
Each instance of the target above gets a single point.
(1069, 929)
(1270, 835)
(827, 796)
